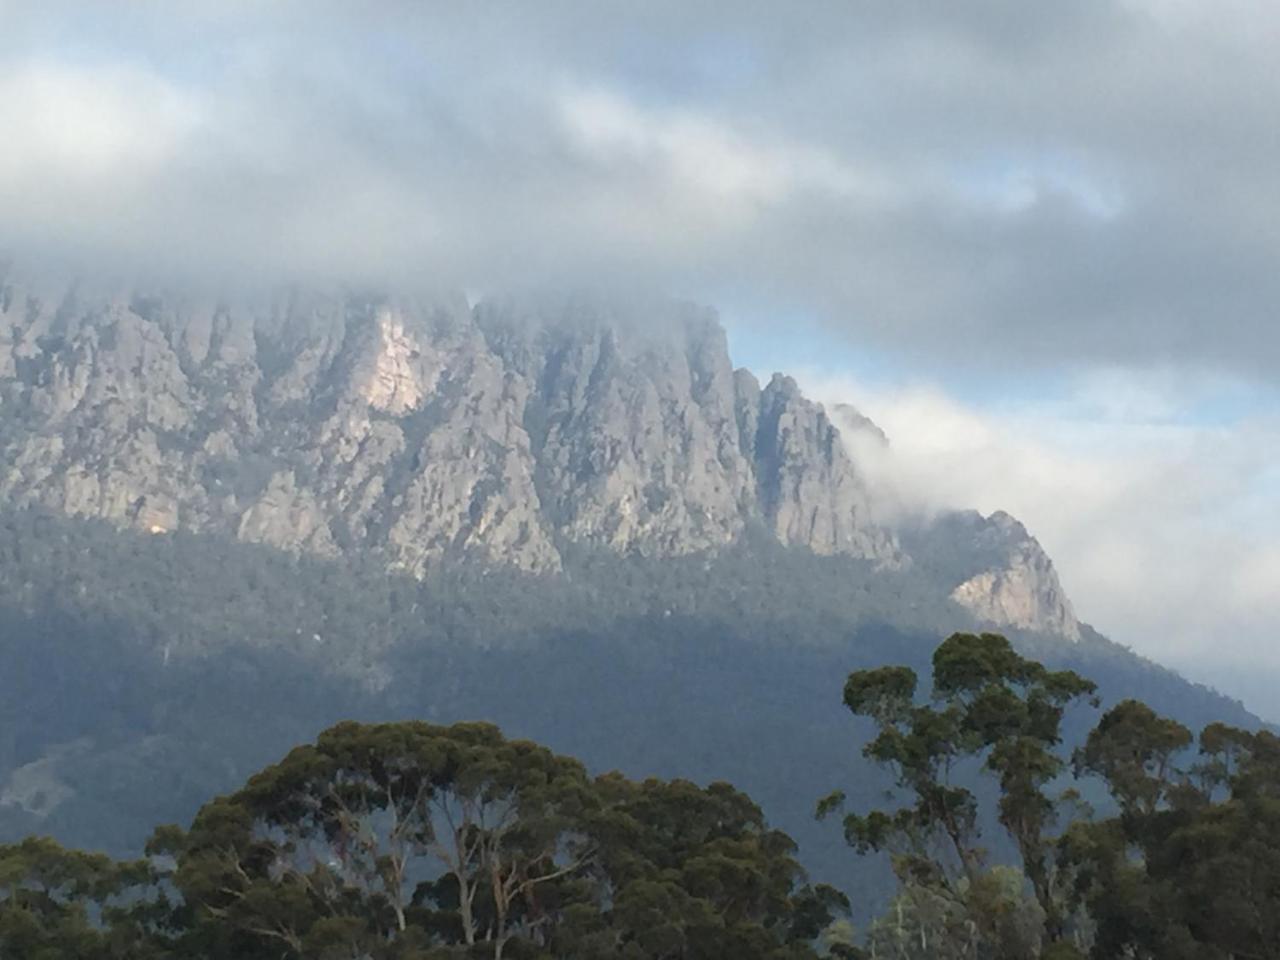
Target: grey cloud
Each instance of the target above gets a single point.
(997, 181)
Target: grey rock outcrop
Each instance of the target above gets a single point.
(417, 431)
(854, 424)
(997, 571)
(810, 492)
(424, 431)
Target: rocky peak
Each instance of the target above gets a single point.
(997, 571)
(808, 487)
(397, 381)
(855, 425)
(420, 431)
(417, 431)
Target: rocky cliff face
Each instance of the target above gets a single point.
(424, 431)
(996, 570)
(417, 431)
(1022, 588)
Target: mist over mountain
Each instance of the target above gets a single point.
(423, 432)
(656, 481)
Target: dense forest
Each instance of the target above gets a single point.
(416, 840)
(145, 674)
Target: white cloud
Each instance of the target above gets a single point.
(1076, 182)
(1139, 506)
(707, 158)
(992, 186)
(99, 128)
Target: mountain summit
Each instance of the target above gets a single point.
(422, 432)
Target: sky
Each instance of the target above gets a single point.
(1037, 242)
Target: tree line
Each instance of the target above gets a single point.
(415, 841)
(1185, 865)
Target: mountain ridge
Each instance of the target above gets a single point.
(421, 432)
(227, 527)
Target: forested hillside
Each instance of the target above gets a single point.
(418, 841)
(145, 673)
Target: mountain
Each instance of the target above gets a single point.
(227, 524)
(417, 432)
(420, 433)
(1003, 576)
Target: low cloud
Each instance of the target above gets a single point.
(1163, 530)
(995, 183)
(1082, 190)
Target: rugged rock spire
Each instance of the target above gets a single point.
(416, 431)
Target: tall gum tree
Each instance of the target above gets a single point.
(988, 704)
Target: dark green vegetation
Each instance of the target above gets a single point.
(415, 841)
(987, 702)
(143, 674)
(1187, 866)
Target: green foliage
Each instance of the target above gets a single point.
(418, 841)
(1190, 868)
(331, 844)
(144, 674)
(1134, 750)
(990, 704)
(412, 840)
(924, 924)
(57, 903)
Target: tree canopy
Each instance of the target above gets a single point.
(410, 840)
(417, 841)
(1186, 868)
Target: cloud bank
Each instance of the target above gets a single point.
(1082, 192)
(1164, 530)
(1001, 181)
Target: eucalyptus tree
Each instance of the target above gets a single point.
(1189, 868)
(57, 903)
(988, 705)
(411, 840)
(380, 836)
